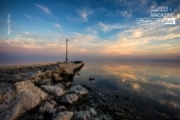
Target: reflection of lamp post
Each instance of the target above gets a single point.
(66, 50)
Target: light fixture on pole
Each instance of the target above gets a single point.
(67, 50)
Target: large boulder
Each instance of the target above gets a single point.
(19, 98)
(66, 115)
(56, 90)
(75, 93)
(47, 107)
(79, 90)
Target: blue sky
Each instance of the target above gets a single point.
(98, 29)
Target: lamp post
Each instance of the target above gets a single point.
(66, 50)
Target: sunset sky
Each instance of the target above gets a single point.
(104, 29)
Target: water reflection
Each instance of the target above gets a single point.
(158, 84)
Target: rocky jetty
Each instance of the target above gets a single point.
(23, 88)
(45, 92)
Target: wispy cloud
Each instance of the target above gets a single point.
(44, 9)
(56, 25)
(27, 33)
(104, 27)
(28, 16)
(108, 27)
(84, 13)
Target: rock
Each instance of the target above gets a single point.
(79, 90)
(92, 111)
(87, 87)
(91, 79)
(48, 73)
(67, 84)
(57, 77)
(19, 98)
(82, 115)
(66, 115)
(56, 90)
(44, 81)
(67, 69)
(53, 102)
(69, 98)
(85, 114)
(61, 108)
(46, 107)
(23, 76)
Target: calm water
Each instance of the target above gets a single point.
(153, 87)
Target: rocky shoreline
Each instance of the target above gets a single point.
(45, 92)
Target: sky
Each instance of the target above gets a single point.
(98, 29)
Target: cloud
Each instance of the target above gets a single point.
(57, 26)
(44, 9)
(105, 27)
(133, 42)
(84, 13)
(126, 13)
(27, 33)
(28, 16)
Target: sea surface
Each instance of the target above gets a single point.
(153, 88)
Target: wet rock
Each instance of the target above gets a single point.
(91, 79)
(56, 90)
(85, 114)
(92, 111)
(61, 108)
(119, 116)
(19, 98)
(66, 115)
(82, 115)
(46, 107)
(87, 87)
(79, 90)
(69, 98)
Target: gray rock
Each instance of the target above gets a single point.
(66, 115)
(56, 90)
(46, 107)
(92, 111)
(19, 98)
(79, 90)
(69, 98)
(82, 115)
